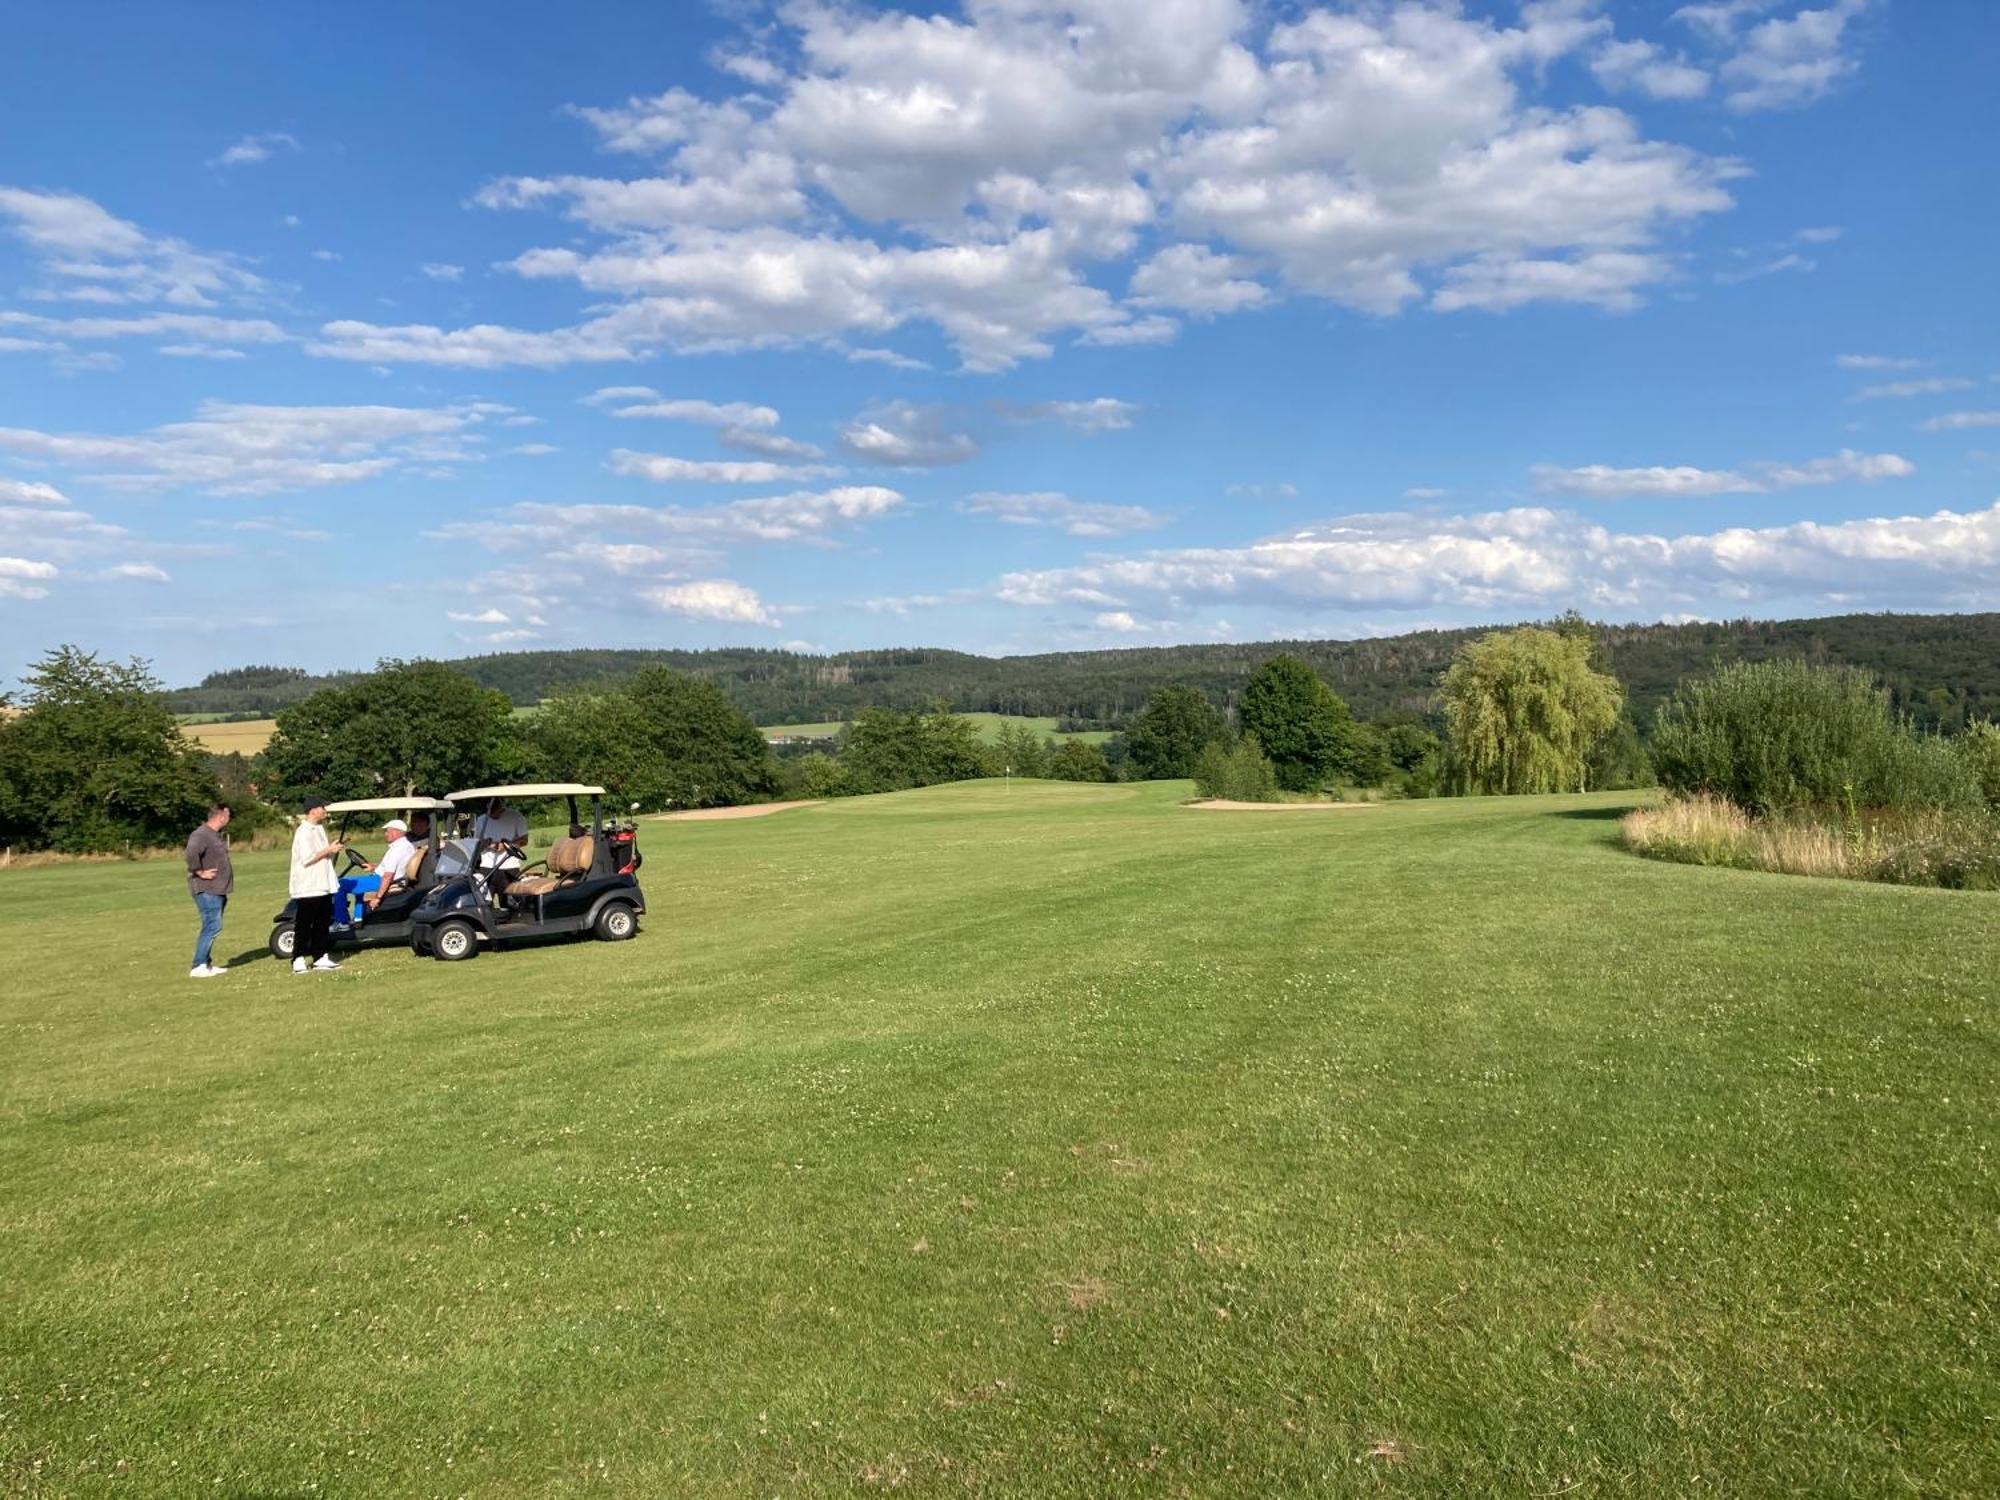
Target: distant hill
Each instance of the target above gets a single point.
(1941, 669)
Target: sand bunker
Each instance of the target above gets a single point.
(1217, 804)
(754, 810)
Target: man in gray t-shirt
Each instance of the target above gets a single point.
(210, 880)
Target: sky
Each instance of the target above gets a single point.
(336, 333)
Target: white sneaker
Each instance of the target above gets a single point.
(298, 966)
(215, 969)
(325, 964)
(203, 971)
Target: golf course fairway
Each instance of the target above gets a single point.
(1039, 1139)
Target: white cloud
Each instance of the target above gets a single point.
(200, 351)
(1533, 559)
(1684, 481)
(23, 577)
(711, 599)
(1099, 414)
(142, 571)
(664, 469)
(1424, 492)
(902, 434)
(1961, 421)
(481, 617)
(534, 450)
(973, 169)
(233, 448)
(1875, 362)
(1076, 517)
(1117, 619)
(255, 148)
(708, 413)
(1195, 279)
(190, 328)
(1903, 390)
(612, 395)
(1790, 61)
(93, 256)
(1790, 261)
(442, 270)
(1645, 67)
(30, 492)
(810, 516)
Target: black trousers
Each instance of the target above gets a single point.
(309, 928)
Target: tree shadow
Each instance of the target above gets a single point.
(1594, 814)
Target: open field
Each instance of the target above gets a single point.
(245, 736)
(1043, 1140)
(989, 726)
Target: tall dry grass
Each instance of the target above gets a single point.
(1957, 851)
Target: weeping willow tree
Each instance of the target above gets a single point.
(1524, 707)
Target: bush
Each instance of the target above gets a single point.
(1078, 760)
(1777, 736)
(1979, 749)
(1235, 773)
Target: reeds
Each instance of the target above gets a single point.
(1958, 851)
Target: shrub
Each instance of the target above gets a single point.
(1979, 749)
(1778, 735)
(1236, 773)
(1078, 760)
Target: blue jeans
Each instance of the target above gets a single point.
(352, 885)
(210, 908)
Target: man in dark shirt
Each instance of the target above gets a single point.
(210, 880)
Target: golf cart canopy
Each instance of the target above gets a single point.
(527, 789)
(390, 804)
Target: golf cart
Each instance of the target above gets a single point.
(589, 883)
(388, 923)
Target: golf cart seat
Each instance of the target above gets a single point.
(413, 872)
(568, 862)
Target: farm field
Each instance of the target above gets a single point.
(1047, 1140)
(989, 726)
(245, 736)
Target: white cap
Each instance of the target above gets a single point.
(398, 824)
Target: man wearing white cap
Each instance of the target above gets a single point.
(381, 875)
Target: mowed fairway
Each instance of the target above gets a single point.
(1047, 1141)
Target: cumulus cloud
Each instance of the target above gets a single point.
(984, 168)
(903, 434)
(1789, 61)
(233, 448)
(707, 413)
(30, 492)
(439, 270)
(144, 572)
(711, 599)
(812, 516)
(1531, 559)
(198, 329)
(23, 577)
(1684, 481)
(1076, 517)
(1961, 421)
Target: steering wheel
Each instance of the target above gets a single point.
(353, 858)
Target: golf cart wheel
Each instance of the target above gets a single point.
(615, 923)
(454, 941)
(284, 938)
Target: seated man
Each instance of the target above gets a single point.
(377, 877)
(405, 848)
(501, 834)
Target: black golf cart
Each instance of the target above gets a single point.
(589, 883)
(388, 924)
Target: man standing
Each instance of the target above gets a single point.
(210, 880)
(313, 883)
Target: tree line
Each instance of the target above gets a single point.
(1942, 671)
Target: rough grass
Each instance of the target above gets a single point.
(988, 725)
(1038, 1140)
(1924, 847)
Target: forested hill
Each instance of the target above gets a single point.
(1941, 669)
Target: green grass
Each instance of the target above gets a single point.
(1051, 1140)
(989, 726)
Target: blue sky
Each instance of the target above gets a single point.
(1009, 325)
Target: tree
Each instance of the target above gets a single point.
(1170, 732)
(1299, 722)
(664, 739)
(1078, 760)
(951, 747)
(1019, 749)
(95, 762)
(1235, 772)
(1523, 709)
(407, 727)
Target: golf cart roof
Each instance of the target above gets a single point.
(390, 804)
(528, 789)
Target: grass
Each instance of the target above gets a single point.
(1958, 851)
(244, 736)
(989, 726)
(1046, 1140)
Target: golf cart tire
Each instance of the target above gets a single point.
(616, 921)
(284, 938)
(454, 941)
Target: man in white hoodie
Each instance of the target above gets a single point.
(313, 884)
